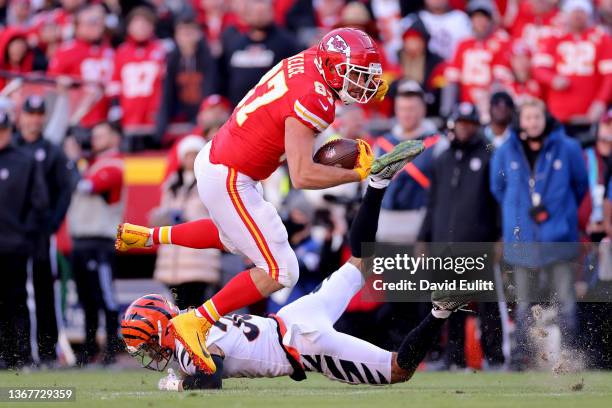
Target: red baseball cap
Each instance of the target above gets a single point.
(412, 33)
(215, 100)
(606, 117)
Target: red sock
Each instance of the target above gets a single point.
(199, 234)
(239, 292)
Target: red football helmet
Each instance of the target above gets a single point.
(349, 61)
(144, 328)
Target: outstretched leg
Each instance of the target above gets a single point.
(198, 234)
(328, 301)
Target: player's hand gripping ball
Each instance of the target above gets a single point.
(364, 159)
(348, 154)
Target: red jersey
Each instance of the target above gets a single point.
(57, 17)
(586, 60)
(533, 28)
(27, 62)
(524, 90)
(137, 81)
(477, 63)
(90, 63)
(253, 140)
(106, 176)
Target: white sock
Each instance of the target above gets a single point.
(373, 182)
(150, 239)
(440, 314)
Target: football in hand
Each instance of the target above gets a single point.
(338, 153)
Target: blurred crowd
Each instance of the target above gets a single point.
(511, 98)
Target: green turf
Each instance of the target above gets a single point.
(431, 390)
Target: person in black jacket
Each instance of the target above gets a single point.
(191, 75)
(418, 63)
(22, 202)
(248, 56)
(58, 183)
(461, 208)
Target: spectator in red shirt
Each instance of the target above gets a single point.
(521, 85)
(576, 67)
(533, 20)
(479, 60)
(62, 19)
(87, 58)
(137, 80)
(16, 56)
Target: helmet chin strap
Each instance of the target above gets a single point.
(344, 96)
(159, 333)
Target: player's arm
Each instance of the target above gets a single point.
(304, 172)
(204, 381)
(190, 377)
(399, 374)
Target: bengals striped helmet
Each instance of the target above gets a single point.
(144, 328)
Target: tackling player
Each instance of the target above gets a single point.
(300, 338)
(277, 119)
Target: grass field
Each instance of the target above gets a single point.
(138, 388)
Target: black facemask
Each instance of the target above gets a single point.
(294, 227)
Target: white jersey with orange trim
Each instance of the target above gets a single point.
(252, 347)
(253, 140)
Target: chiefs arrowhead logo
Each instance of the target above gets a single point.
(337, 44)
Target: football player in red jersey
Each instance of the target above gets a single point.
(89, 58)
(576, 67)
(277, 119)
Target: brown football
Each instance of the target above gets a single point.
(339, 153)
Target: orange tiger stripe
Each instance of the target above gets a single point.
(246, 218)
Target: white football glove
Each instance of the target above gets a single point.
(170, 383)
